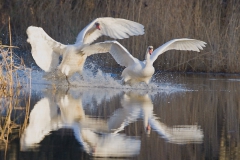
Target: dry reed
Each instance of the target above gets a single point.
(10, 92)
(215, 22)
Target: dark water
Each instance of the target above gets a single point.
(191, 116)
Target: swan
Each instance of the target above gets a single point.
(141, 71)
(46, 51)
(137, 106)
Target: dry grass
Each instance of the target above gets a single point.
(10, 92)
(216, 22)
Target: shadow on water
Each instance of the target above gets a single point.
(194, 116)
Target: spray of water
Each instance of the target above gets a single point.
(93, 78)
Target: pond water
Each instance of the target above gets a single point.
(178, 116)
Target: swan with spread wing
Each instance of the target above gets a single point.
(141, 71)
(46, 51)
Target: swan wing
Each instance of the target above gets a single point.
(119, 53)
(159, 127)
(116, 28)
(122, 117)
(178, 44)
(45, 50)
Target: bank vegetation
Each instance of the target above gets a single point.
(215, 22)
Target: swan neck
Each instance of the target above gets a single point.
(147, 58)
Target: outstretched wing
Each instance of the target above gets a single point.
(178, 44)
(45, 50)
(119, 53)
(116, 28)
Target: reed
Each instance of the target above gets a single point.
(10, 93)
(214, 22)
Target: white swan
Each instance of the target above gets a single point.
(46, 51)
(139, 106)
(136, 70)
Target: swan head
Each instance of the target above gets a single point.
(97, 25)
(150, 49)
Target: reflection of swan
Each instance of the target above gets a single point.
(137, 106)
(72, 112)
(91, 133)
(136, 70)
(46, 51)
(43, 119)
(107, 144)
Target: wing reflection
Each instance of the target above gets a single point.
(139, 106)
(63, 110)
(107, 144)
(43, 119)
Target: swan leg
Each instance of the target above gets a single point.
(67, 90)
(81, 77)
(124, 82)
(128, 82)
(68, 81)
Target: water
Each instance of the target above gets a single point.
(190, 116)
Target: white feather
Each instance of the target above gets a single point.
(46, 51)
(43, 48)
(119, 53)
(116, 28)
(178, 44)
(136, 70)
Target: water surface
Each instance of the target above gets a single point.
(177, 116)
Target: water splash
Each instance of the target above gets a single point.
(94, 77)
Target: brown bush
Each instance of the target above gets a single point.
(215, 22)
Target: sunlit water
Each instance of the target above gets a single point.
(176, 116)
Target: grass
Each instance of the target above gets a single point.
(10, 93)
